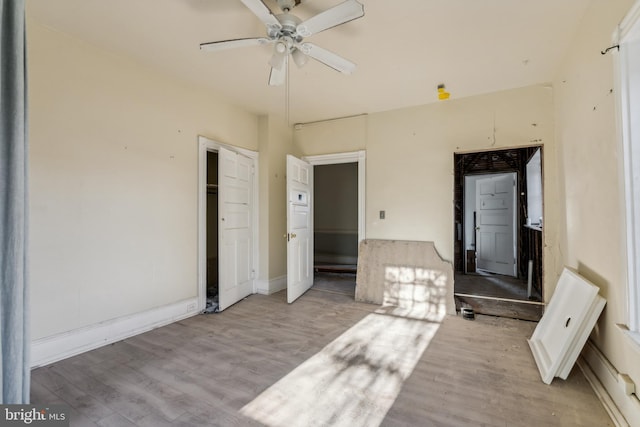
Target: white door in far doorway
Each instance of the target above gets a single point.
(299, 227)
(495, 224)
(235, 225)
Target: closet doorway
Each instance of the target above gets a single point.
(227, 224)
(212, 273)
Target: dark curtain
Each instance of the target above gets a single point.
(14, 313)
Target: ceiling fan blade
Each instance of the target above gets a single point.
(344, 12)
(232, 44)
(279, 76)
(263, 13)
(328, 58)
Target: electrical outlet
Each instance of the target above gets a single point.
(382, 214)
(191, 307)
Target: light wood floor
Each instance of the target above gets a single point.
(340, 283)
(203, 370)
(496, 295)
(493, 285)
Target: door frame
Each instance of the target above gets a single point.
(470, 162)
(358, 157)
(205, 145)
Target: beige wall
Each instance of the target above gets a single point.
(113, 181)
(334, 136)
(409, 156)
(275, 142)
(263, 199)
(589, 158)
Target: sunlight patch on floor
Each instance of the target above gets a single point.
(415, 292)
(355, 379)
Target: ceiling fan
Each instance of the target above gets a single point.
(287, 32)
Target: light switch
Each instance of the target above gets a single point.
(382, 214)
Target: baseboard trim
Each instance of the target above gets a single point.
(67, 344)
(610, 387)
(268, 287)
(335, 259)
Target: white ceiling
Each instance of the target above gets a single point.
(403, 49)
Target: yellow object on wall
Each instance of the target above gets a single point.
(442, 93)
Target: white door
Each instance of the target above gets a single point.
(299, 227)
(235, 176)
(495, 223)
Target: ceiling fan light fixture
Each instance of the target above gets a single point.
(277, 60)
(299, 57)
(280, 52)
(281, 47)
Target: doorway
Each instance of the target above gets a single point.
(212, 276)
(338, 219)
(227, 224)
(498, 258)
(335, 216)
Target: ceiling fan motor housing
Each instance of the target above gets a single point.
(289, 28)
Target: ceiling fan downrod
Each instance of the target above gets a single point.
(286, 5)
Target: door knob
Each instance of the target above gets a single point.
(293, 235)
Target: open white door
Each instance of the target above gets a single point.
(299, 227)
(495, 219)
(235, 177)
